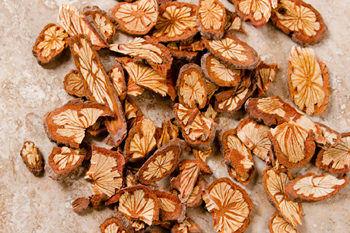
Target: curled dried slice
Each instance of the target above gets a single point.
(278, 225)
(66, 125)
(169, 131)
(170, 206)
(187, 226)
(229, 205)
(202, 154)
(336, 159)
(211, 88)
(176, 21)
(211, 17)
(219, 73)
(106, 171)
(80, 204)
(329, 135)
(97, 128)
(312, 187)
(191, 86)
(195, 198)
(113, 225)
(264, 75)
(162, 162)
(274, 183)
(292, 145)
(233, 52)
(32, 158)
(300, 20)
(50, 43)
(308, 81)
(136, 18)
(74, 84)
(140, 142)
(254, 137)
(133, 114)
(117, 77)
(233, 22)
(132, 88)
(182, 55)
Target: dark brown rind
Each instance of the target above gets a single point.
(38, 168)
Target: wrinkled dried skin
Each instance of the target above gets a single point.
(337, 159)
(73, 84)
(211, 17)
(170, 206)
(106, 171)
(308, 81)
(264, 76)
(97, 84)
(80, 204)
(176, 21)
(50, 44)
(32, 158)
(233, 22)
(312, 187)
(113, 225)
(136, 18)
(117, 78)
(169, 131)
(187, 226)
(66, 125)
(133, 114)
(202, 155)
(277, 224)
(274, 183)
(233, 52)
(229, 205)
(300, 20)
(191, 86)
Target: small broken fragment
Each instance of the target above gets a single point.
(265, 74)
(117, 77)
(80, 204)
(233, 22)
(50, 44)
(329, 134)
(211, 88)
(133, 114)
(113, 225)
(193, 44)
(195, 198)
(32, 158)
(277, 224)
(312, 187)
(170, 206)
(130, 179)
(202, 154)
(211, 113)
(98, 128)
(187, 226)
(73, 84)
(308, 81)
(169, 131)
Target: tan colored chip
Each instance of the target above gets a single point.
(32, 158)
(73, 84)
(277, 224)
(117, 77)
(265, 74)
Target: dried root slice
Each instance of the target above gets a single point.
(254, 136)
(32, 158)
(50, 43)
(176, 21)
(233, 52)
(146, 77)
(141, 141)
(195, 199)
(258, 12)
(106, 171)
(149, 50)
(187, 226)
(202, 154)
(337, 159)
(169, 131)
(136, 18)
(299, 20)
(97, 84)
(229, 205)
(170, 206)
(211, 17)
(138, 226)
(66, 125)
(74, 84)
(133, 114)
(233, 22)
(80, 204)
(264, 76)
(219, 73)
(277, 224)
(75, 23)
(308, 81)
(117, 78)
(274, 183)
(162, 162)
(191, 86)
(312, 187)
(329, 134)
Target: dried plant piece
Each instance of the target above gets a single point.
(133, 114)
(66, 125)
(233, 22)
(75, 23)
(219, 73)
(32, 158)
(192, 43)
(73, 84)
(97, 84)
(80, 204)
(211, 113)
(182, 55)
(169, 131)
(98, 128)
(265, 74)
(191, 86)
(211, 17)
(170, 206)
(233, 52)
(130, 179)
(187, 226)
(161, 163)
(140, 142)
(274, 183)
(308, 81)
(113, 225)
(146, 77)
(50, 44)
(277, 224)
(329, 134)
(299, 20)
(229, 205)
(312, 187)
(117, 78)
(176, 21)
(211, 88)
(106, 171)
(254, 136)
(337, 159)
(292, 145)
(136, 18)
(203, 154)
(195, 198)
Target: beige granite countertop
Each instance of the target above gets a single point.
(28, 91)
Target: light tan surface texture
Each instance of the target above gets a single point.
(28, 91)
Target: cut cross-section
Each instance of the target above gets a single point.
(32, 158)
(73, 84)
(277, 224)
(117, 77)
(170, 206)
(195, 199)
(233, 22)
(264, 75)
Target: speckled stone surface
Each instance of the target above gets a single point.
(28, 91)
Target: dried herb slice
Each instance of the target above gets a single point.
(202, 154)
(80, 204)
(113, 225)
(312, 187)
(187, 226)
(329, 134)
(117, 78)
(299, 20)
(233, 22)
(73, 84)
(265, 74)
(50, 43)
(170, 206)
(308, 81)
(32, 158)
(195, 199)
(277, 224)
(211, 88)
(211, 113)
(169, 131)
